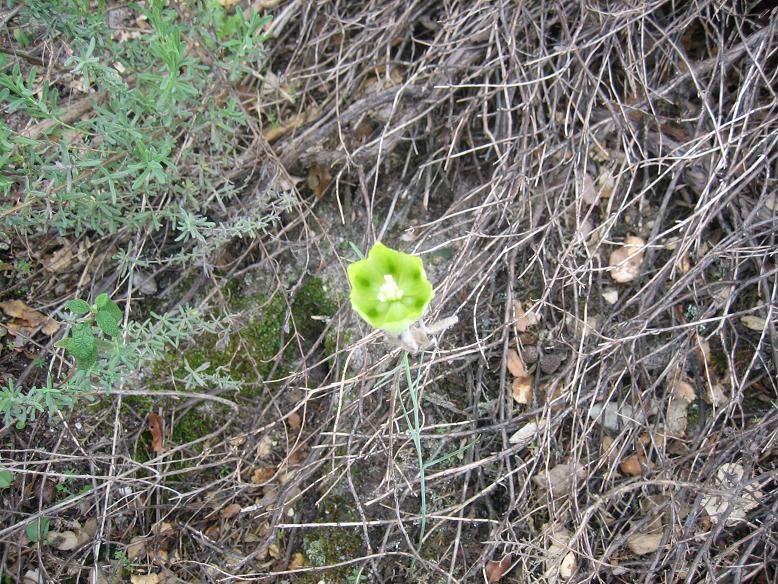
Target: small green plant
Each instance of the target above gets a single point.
(81, 341)
(16, 406)
(390, 290)
(64, 488)
(38, 530)
(414, 427)
(356, 575)
(116, 361)
(121, 557)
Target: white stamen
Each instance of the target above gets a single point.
(390, 290)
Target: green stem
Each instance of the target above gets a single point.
(415, 430)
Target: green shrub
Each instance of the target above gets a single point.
(147, 161)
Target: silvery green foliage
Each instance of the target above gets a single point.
(151, 163)
(116, 361)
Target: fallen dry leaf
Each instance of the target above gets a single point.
(568, 565)
(524, 319)
(59, 261)
(677, 417)
(85, 534)
(560, 480)
(715, 395)
(588, 192)
(522, 389)
(19, 309)
(238, 440)
(298, 454)
(276, 132)
(610, 296)
(274, 551)
(319, 178)
(519, 316)
(530, 354)
(265, 446)
(262, 475)
(729, 478)
(606, 183)
(32, 577)
(265, 4)
(558, 539)
(550, 362)
(644, 543)
(613, 416)
(63, 541)
(526, 434)
(683, 263)
(161, 527)
(298, 561)
(685, 391)
(634, 465)
(755, 323)
(514, 364)
(494, 570)
(714, 390)
(295, 421)
(656, 438)
(157, 427)
(136, 547)
(144, 579)
(230, 511)
(608, 450)
(27, 319)
(625, 262)
(50, 327)
(160, 556)
(145, 283)
(269, 496)
(167, 576)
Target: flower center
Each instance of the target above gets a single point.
(390, 290)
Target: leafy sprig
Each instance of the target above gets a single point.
(81, 341)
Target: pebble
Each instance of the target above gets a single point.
(550, 362)
(530, 354)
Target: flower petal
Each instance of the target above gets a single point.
(367, 276)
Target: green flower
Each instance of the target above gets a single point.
(389, 289)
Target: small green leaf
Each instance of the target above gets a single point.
(107, 323)
(102, 300)
(78, 306)
(38, 530)
(82, 345)
(105, 304)
(6, 478)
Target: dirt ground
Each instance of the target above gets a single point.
(592, 188)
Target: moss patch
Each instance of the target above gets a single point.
(192, 425)
(252, 353)
(332, 545)
(312, 300)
